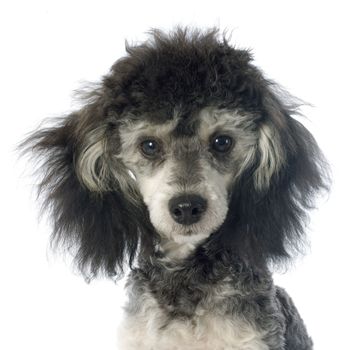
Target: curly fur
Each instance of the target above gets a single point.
(172, 84)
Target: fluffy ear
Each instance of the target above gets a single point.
(269, 203)
(92, 199)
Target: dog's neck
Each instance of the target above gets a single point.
(203, 266)
(173, 251)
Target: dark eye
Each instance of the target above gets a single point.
(221, 143)
(150, 148)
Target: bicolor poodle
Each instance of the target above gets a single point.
(187, 167)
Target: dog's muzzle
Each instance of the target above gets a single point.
(187, 209)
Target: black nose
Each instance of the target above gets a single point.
(187, 209)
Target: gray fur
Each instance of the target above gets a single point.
(224, 287)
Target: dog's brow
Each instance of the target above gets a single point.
(211, 119)
(131, 132)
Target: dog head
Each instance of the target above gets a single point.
(184, 140)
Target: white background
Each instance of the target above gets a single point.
(49, 47)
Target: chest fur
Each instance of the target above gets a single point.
(150, 326)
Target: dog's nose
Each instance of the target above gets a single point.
(187, 209)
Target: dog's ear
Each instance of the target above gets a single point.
(91, 197)
(270, 200)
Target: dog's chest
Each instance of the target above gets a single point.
(152, 325)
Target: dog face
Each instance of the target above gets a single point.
(185, 179)
(183, 140)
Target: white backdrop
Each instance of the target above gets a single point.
(49, 47)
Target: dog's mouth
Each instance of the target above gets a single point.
(188, 216)
(189, 232)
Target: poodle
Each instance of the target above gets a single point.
(186, 167)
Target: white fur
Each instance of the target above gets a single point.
(157, 193)
(207, 330)
(94, 149)
(272, 156)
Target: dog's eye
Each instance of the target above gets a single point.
(221, 143)
(150, 148)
